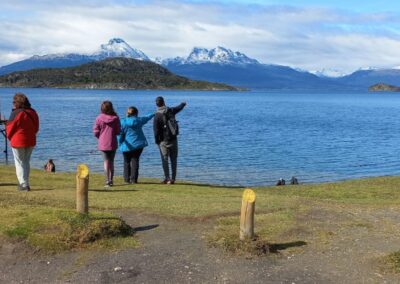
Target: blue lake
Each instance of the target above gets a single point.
(232, 138)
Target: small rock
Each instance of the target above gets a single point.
(117, 268)
(187, 267)
(48, 262)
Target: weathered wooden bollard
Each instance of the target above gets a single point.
(82, 186)
(247, 215)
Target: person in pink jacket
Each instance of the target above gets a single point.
(106, 128)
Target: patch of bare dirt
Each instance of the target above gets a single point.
(342, 246)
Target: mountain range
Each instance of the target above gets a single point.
(220, 65)
(109, 73)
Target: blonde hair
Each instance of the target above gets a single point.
(21, 101)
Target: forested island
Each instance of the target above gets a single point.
(381, 87)
(111, 73)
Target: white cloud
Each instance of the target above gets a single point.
(308, 38)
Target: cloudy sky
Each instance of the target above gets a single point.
(310, 35)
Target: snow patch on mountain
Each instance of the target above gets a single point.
(58, 56)
(368, 68)
(331, 73)
(117, 47)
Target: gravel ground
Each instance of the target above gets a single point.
(174, 251)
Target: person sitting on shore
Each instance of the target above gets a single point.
(294, 181)
(280, 182)
(50, 166)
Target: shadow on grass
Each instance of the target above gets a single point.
(8, 184)
(122, 184)
(275, 248)
(145, 228)
(112, 190)
(193, 184)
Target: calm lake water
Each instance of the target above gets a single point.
(232, 138)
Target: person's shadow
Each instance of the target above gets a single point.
(8, 184)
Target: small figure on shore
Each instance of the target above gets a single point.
(106, 128)
(132, 142)
(294, 181)
(21, 129)
(50, 166)
(166, 131)
(281, 181)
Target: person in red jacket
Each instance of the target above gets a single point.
(21, 129)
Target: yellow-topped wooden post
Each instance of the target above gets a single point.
(82, 187)
(247, 215)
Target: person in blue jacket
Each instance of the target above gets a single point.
(132, 141)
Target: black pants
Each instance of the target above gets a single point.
(131, 165)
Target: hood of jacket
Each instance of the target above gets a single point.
(107, 119)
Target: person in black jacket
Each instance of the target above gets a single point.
(165, 134)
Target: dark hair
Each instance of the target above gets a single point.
(107, 108)
(132, 111)
(21, 101)
(160, 101)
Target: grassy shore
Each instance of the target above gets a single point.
(289, 216)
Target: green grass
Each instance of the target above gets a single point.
(392, 262)
(54, 229)
(38, 215)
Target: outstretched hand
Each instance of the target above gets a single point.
(184, 103)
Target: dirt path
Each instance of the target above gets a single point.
(174, 251)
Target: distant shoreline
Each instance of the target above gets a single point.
(124, 89)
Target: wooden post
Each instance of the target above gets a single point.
(82, 186)
(247, 215)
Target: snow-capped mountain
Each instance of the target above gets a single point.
(225, 66)
(330, 73)
(117, 47)
(219, 55)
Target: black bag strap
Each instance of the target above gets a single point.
(166, 116)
